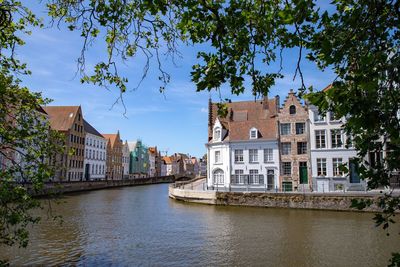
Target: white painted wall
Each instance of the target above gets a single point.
(95, 156)
(328, 152)
(229, 166)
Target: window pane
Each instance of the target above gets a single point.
(300, 127)
(285, 128)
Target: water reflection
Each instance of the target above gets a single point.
(141, 226)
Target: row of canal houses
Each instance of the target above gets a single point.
(263, 145)
(91, 155)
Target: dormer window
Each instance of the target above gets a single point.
(292, 109)
(253, 133)
(217, 134)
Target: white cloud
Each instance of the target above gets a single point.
(203, 110)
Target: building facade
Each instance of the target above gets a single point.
(152, 151)
(114, 169)
(125, 160)
(139, 159)
(95, 154)
(242, 148)
(329, 152)
(294, 145)
(68, 120)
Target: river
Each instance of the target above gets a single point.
(140, 226)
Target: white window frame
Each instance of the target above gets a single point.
(253, 155)
(283, 168)
(217, 134)
(289, 151)
(318, 139)
(218, 177)
(238, 156)
(268, 155)
(336, 138)
(321, 167)
(217, 157)
(253, 133)
(336, 163)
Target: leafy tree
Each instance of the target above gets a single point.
(357, 39)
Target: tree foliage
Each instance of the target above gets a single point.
(357, 39)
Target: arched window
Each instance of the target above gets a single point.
(218, 176)
(292, 109)
(253, 133)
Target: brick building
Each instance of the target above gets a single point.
(114, 170)
(294, 145)
(68, 120)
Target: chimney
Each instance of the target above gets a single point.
(265, 102)
(278, 104)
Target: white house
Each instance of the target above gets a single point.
(242, 148)
(329, 152)
(95, 154)
(125, 160)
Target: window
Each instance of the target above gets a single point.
(239, 177)
(217, 134)
(287, 168)
(336, 163)
(253, 155)
(300, 127)
(301, 148)
(217, 156)
(349, 141)
(321, 167)
(268, 155)
(318, 117)
(292, 109)
(270, 179)
(238, 155)
(286, 148)
(253, 177)
(336, 136)
(218, 176)
(320, 139)
(287, 187)
(253, 134)
(285, 128)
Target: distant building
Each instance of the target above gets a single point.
(139, 159)
(168, 163)
(68, 120)
(114, 170)
(152, 151)
(295, 169)
(125, 160)
(95, 154)
(203, 166)
(196, 167)
(242, 148)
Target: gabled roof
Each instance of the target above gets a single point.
(112, 137)
(167, 160)
(61, 117)
(244, 115)
(152, 150)
(90, 129)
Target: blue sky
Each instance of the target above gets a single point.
(175, 121)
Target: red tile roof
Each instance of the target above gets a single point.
(242, 116)
(112, 137)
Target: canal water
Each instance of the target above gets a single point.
(140, 226)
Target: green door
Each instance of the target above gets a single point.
(303, 173)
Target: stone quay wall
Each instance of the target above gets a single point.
(71, 187)
(327, 201)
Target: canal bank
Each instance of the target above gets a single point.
(81, 186)
(194, 192)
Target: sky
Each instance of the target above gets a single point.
(175, 121)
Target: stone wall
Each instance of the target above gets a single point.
(70, 187)
(338, 202)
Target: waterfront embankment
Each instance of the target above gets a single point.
(80, 186)
(193, 191)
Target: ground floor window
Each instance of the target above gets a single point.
(218, 176)
(354, 177)
(286, 186)
(287, 168)
(254, 178)
(238, 178)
